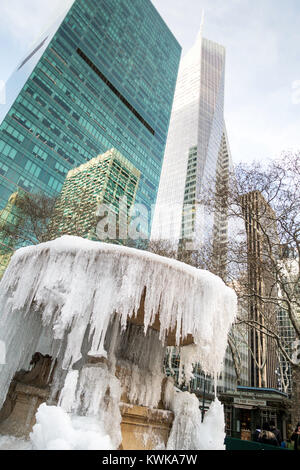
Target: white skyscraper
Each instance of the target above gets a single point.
(197, 148)
(197, 155)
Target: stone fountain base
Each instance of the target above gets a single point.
(18, 413)
(142, 428)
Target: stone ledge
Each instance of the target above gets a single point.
(148, 416)
(144, 428)
(32, 391)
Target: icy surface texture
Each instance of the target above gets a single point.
(70, 284)
(71, 298)
(94, 392)
(14, 443)
(188, 433)
(139, 359)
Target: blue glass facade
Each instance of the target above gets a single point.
(105, 79)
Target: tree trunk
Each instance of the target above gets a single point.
(295, 409)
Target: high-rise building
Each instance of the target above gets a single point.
(197, 147)
(289, 268)
(260, 230)
(102, 77)
(197, 154)
(109, 181)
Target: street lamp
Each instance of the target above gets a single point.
(203, 400)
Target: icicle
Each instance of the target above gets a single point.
(188, 432)
(71, 283)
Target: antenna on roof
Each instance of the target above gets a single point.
(200, 32)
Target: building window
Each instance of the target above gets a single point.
(114, 90)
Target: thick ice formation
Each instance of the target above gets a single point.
(72, 298)
(14, 443)
(94, 392)
(139, 359)
(188, 432)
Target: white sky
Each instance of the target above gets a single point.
(262, 40)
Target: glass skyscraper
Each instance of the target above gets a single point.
(197, 155)
(197, 148)
(101, 77)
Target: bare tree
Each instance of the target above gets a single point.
(264, 239)
(262, 263)
(25, 219)
(263, 257)
(32, 218)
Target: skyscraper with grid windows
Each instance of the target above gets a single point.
(103, 76)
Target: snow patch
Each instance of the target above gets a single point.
(57, 430)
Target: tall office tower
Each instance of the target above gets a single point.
(102, 77)
(260, 228)
(197, 147)
(109, 181)
(196, 154)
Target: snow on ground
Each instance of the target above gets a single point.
(13, 443)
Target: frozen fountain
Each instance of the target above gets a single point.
(86, 326)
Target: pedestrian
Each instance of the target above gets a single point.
(275, 431)
(296, 437)
(289, 444)
(267, 437)
(256, 433)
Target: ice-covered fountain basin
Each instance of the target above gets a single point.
(74, 301)
(73, 282)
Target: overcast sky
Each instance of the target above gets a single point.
(262, 40)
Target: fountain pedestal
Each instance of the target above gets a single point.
(21, 419)
(144, 428)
